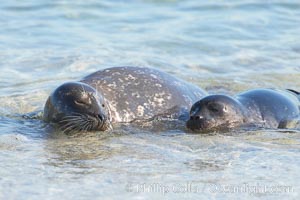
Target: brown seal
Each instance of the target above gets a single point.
(119, 95)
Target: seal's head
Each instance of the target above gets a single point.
(215, 112)
(76, 106)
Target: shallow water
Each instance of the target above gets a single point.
(220, 46)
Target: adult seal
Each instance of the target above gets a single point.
(267, 108)
(119, 95)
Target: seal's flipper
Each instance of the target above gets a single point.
(295, 92)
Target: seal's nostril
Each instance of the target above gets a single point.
(100, 117)
(194, 117)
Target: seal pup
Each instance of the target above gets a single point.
(119, 95)
(268, 108)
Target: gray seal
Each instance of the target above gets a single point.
(119, 95)
(266, 108)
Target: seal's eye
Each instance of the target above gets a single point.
(80, 103)
(103, 105)
(214, 107)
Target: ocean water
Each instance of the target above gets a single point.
(221, 46)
